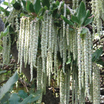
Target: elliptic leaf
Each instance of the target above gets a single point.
(75, 19)
(1, 72)
(66, 20)
(29, 7)
(5, 32)
(24, 3)
(14, 99)
(37, 6)
(87, 14)
(46, 3)
(84, 31)
(96, 55)
(6, 87)
(17, 5)
(88, 21)
(81, 13)
(22, 94)
(5, 3)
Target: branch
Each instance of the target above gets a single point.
(95, 42)
(24, 84)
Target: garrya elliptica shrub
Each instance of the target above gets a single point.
(53, 37)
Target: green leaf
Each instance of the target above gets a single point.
(42, 11)
(5, 3)
(75, 19)
(1, 72)
(5, 98)
(30, 99)
(96, 55)
(88, 21)
(2, 9)
(22, 94)
(46, 3)
(13, 1)
(5, 11)
(17, 5)
(69, 61)
(22, 14)
(30, 7)
(5, 32)
(37, 92)
(66, 20)
(99, 61)
(1, 48)
(14, 99)
(34, 99)
(81, 13)
(83, 32)
(24, 3)
(57, 3)
(37, 6)
(87, 14)
(6, 87)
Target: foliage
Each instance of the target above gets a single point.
(37, 11)
(80, 18)
(6, 87)
(21, 97)
(96, 57)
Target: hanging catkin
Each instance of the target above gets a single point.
(62, 87)
(83, 71)
(90, 55)
(47, 33)
(93, 12)
(30, 43)
(21, 41)
(50, 34)
(71, 41)
(96, 84)
(79, 57)
(74, 4)
(76, 86)
(67, 31)
(74, 45)
(17, 23)
(43, 43)
(53, 37)
(26, 41)
(97, 16)
(39, 73)
(6, 49)
(58, 78)
(34, 46)
(68, 87)
(35, 40)
(73, 86)
(79, 63)
(50, 45)
(55, 54)
(61, 43)
(49, 66)
(64, 53)
(77, 3)
(64, 21)
(43, 39)
(86, 63)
